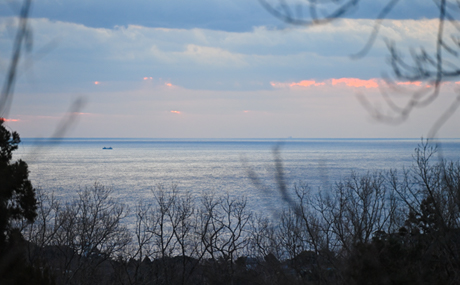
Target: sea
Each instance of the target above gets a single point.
(134, 168)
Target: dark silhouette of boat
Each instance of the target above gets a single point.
(107, 147)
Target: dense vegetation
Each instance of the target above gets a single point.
(376, 228)
(17, 203)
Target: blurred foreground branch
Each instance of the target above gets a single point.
(426, 69)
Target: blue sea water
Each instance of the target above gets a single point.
(133, 167)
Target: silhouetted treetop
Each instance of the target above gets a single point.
(17, 196)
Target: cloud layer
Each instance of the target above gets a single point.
(143, 81)
(208, 59)
(224, 15)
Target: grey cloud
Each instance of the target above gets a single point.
(226, 15)
(205, 59)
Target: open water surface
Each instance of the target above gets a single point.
(135, 166)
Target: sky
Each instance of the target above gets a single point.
(214, 69)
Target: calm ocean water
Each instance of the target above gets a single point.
(134, 166)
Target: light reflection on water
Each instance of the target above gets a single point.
(134, 166)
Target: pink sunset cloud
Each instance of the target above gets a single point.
(356, 82)
(303, 83)
(414, 83)
(349, 82)
(307, 83)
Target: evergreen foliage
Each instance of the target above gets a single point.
(17, 203)
(17, 196)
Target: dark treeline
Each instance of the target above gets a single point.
(389, 227)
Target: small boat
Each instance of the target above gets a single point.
(107, 147)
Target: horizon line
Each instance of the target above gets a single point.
(244, 138)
